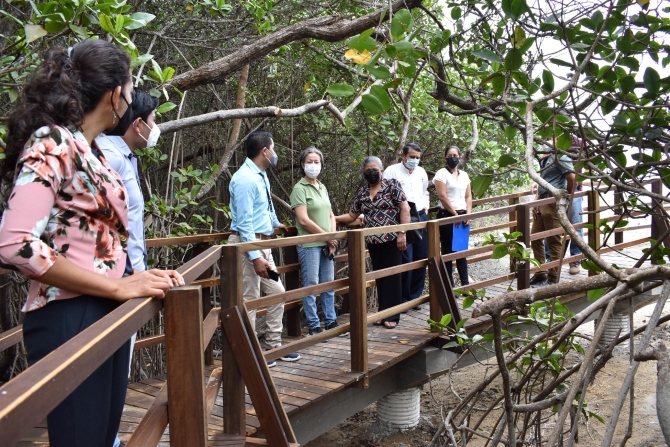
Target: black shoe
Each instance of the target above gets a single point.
(417, 307)
(314, 331)
(332, 325)
(538, 279)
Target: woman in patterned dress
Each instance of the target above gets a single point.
(65, 225)
(382, 203)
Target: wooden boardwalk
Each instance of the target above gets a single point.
(323, 370)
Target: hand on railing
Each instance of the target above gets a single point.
(152, 283)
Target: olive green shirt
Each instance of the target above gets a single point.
(318, 207)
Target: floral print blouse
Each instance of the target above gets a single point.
(380, 211)
(67, 201)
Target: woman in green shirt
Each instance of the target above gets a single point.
(311, 203)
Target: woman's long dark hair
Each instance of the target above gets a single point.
(62, 90)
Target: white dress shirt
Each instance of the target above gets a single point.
(414, 184)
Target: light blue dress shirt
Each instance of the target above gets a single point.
(122, 160)
(251, 204)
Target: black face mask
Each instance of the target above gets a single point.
(452, 162)
(371, 177)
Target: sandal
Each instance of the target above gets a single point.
(390, 324)
(378, 323)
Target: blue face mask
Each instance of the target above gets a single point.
(412, 163)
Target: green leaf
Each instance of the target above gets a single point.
(480, 185)
(499, 252)
(118, 23)
(382, 95)
(451, 344)
(380, 72)
(340, 90)
(139, 19)
(468, 301)
(139, 60)
(561, 63)
(401, 23)
(547, 82)
(513, 60)
(446, 319)
(372, 104)
(456, 13)
(362, 44)
(526, 45)
(168, 72)
(34, 32)
(627, 84)
(487, 55)
(519, 37)
(81, 31)
(652, 81)
(630, 62)
(510, 133)
(402, 46)
(165, 107)
(106, 23)
(564, 141)
(506, 159)
(594, 294)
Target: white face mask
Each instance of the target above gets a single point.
(153, 135)
(412, 163)
(312, 170)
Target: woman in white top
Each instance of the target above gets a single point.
(453, 190)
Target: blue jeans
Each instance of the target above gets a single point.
(575, 218)
(414, 281)
(316, 269)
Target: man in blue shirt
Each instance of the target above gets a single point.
(254, 218)
(136, 129)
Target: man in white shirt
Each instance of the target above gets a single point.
(414, 182)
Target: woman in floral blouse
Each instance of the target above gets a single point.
(65, 225)
(382, 203)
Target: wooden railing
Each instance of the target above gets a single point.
(190, 323)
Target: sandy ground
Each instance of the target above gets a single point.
(363, 429)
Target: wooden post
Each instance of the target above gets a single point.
(234, 422)
(523, 225)
(433, 230)
(513, 228)
(292, 283)
(594, 219)
(358, 305)
(618, 199)
(206, 301)
(185, 367)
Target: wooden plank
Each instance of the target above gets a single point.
(230, 267)
(149, 341)
(358, 305)
(594, 235)
(433, 280)
(200, 264)
(11, 337)
(255, 372)
(212, 389)
(28, 398)
(153, 424)
(523, 221)
(438, 285)
(292, 282)
(210, 324)
(185, 367)
(183, 240)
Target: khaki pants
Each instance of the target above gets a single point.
(547, 220)
(252, 285)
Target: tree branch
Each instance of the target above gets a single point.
(257, 112)
(329, 28)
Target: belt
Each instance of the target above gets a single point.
(258, 236)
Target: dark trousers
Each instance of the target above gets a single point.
(389, 289)
(91, 414)
(414, 281)
(446, 238)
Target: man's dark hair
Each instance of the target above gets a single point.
(408, 146)
(256, 141)
(141, 107)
